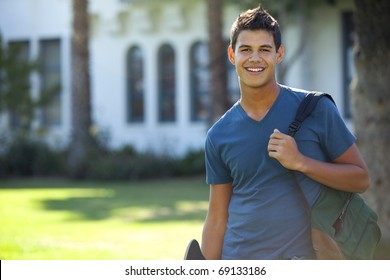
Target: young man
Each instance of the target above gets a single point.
(255, 211)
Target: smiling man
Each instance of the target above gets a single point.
(254, 209)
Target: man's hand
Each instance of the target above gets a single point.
(283, 148)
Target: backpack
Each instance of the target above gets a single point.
(343, 225)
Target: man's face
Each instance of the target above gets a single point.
(255, 58)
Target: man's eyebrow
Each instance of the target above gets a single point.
(262, 46)
(244, 46)
(266, 46)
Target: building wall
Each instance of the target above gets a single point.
(34, 21)
(109, 49)
(321, 66)
(118, 25)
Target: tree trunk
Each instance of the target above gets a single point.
(81, 110)
(371, 102)
(217, 50)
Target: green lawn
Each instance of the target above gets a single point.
(63, 220)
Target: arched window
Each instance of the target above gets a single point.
(166, 85)
(50, 62)
(135, 85)
(200, 81)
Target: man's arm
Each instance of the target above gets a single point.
(215, 223)
(346, 173)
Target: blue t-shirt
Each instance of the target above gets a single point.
(267, 219)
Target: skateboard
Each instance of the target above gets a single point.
(193, 251)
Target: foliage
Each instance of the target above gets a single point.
(15, 88)
(27, 158)
(15, 73)
(193, 163)
(127, 164)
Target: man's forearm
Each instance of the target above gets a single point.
(212, 240)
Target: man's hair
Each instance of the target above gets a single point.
(255, 19)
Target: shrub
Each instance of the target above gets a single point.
(27, 158)
(32, 158)
(3, 171)
(193, 163)
(126, 164)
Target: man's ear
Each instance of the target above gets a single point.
(280, 54)
(231, 55)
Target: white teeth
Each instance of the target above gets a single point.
(255, 69)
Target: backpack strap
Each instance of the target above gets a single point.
(304, 110)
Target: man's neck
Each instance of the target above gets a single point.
(257, 102)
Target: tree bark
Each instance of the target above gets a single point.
(81, 110)
(217, 50)
(371, 102)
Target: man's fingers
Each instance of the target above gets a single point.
(276, 134)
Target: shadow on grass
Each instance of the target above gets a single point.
(182, 200)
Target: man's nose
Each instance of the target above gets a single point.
(255, 57)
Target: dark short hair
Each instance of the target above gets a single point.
(255, 19)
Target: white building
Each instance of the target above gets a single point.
(149, 65)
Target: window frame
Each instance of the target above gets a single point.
(135, 109)
(166, 84)
(51, 76)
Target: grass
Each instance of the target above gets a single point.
(64, 220)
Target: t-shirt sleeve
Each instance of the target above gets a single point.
(216, 170)
(335, 137)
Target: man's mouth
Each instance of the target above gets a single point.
(255, 70)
